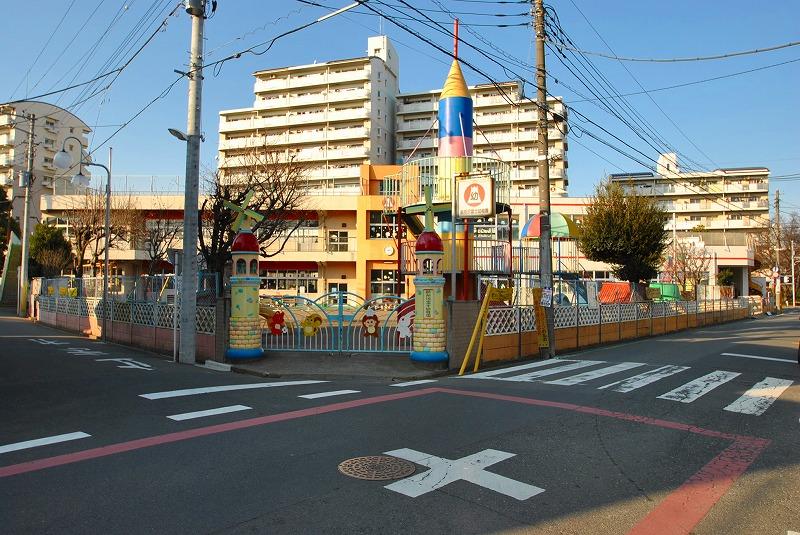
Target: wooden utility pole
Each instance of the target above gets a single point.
(545, 254)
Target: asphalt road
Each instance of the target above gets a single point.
(689, 433)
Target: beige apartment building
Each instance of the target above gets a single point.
(53, 126)
(332, 116)
(505, 128)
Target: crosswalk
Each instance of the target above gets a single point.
(562, 372)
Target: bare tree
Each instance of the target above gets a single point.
(86, 223)
(690, 265)
(278, 183)
(53, 261)
(156, 231)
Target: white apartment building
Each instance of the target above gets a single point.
(504, 130)
(733, 200)
(332, 117)
(53, 126)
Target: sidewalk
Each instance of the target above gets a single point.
(338, 366)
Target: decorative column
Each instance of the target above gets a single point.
(430, 335)
(245, 326)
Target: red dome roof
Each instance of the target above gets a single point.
(429, 241)
(245, 242)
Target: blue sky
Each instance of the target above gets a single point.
(744, 120)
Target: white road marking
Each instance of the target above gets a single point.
(43, 441)
(225, 388)
(492, 373)
(471, 468)
(47, 342)
(699, 387)
(759, 398)
(128, 363)
(84, 352)
(758, 357)
(551, 371)
(329, 394)
(209, 412)
(594, 374)
(644, 378)
(414, 383)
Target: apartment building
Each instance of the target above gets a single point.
(717, 210)
(332, 117)
(505, 128)
(53, 126)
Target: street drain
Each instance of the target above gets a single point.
(377, 467)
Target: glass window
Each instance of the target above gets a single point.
(337, 240)
(300, 281)
(241, 267)
(384, 282)
(382, 226)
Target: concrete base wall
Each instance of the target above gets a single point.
(155, 339)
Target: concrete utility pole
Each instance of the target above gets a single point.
(545, 254)
(188, 294)
(794, 286)
(777, 270)
(22, 305)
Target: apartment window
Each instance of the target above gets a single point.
(48, 142)
(301, 281)
(695, 218)
(382, 226)
(337, 241)
(735, 217)
(384, 282)
(379, 75)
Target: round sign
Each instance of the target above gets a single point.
(474, 195)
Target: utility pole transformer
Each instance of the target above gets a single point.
(545, 254)
(188, 289)
(777, 271)
(22, 306)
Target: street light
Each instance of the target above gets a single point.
(63, 160)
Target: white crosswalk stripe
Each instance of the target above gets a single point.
(644, 378)
(595, 374)
(755, 401)
(699, 387)
(552, 371)
(759, 398)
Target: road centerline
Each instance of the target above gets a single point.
(27, 444)
(208, 412)
(329, 394)
(224, 388)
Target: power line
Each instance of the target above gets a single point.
(678, 60)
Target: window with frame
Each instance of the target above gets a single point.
(382, 226)
(384, 282)
(301, 281)
(337, 241)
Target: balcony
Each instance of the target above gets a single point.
(485, 256)
(348, 133)
(417, 107)
(426, 143)
(420, 124)
(316, 248)
(343, 172)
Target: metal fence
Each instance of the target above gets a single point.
(143, 289)
(337, 322)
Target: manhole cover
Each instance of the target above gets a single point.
(377, 467)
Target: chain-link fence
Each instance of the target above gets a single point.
(143, 289)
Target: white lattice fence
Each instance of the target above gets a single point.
(166, 316)
(527, 319)
(501, 321)
(564, 317)
(206, 319)
(589, 316)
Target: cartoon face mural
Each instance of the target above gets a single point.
(311, 325)
(277, 324)
(370, 323)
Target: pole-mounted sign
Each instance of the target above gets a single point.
(475, 197)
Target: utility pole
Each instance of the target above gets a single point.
(188, 293)
(777, 270)
(794, 285)
(545, 254)
(22, 306)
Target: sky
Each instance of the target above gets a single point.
(744, 120)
